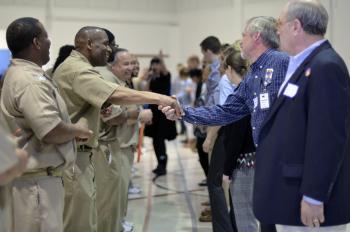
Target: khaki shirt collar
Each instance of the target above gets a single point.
(80, 57)
(28, 65)
(120, 82)
(117, 79)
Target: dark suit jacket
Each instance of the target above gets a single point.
(304, 145)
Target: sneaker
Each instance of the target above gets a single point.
(134, 190)
(134, 172)
(133, 169)
(128, 226)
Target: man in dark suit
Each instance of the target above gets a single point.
(303, 158)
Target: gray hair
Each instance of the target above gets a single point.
(267, 27)
(311, 14)
(115, 54)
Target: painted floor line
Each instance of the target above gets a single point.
(186, 192)
(149, 204)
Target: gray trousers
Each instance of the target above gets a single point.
(241, 189)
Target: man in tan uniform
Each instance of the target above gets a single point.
(86, 93)
(113, 171)
(31, 101)
(12, 163)
(127, 134)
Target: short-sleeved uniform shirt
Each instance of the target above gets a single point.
(7, 148)
(31, 101)
(84, 91)
(126, 134)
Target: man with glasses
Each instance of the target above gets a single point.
(257, 92)
(303, 161)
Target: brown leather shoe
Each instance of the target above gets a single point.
(205, 218)
(205, 203)
(206, 211)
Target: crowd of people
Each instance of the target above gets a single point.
(270, 115)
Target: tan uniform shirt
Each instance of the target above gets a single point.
(31, 101)
(8, 157)
(84, 91)
(126, 134)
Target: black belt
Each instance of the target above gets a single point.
(246, 160)
(84, 148)
(50, 171)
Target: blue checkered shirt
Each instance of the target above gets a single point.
(245, 100)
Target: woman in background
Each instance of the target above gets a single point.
(240, 153)
(159, 81)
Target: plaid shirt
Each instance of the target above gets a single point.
(246, 98)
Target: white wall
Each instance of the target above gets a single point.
(140, 33)
(225, 21)
(3, 39)
(145, 30)
(340, 28)
(176, 26)
(199, 19)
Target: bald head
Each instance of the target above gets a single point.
(85, 34)
(93, 43)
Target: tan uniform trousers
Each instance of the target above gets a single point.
(5, 212)
(107, 166)
(80, 213)
(127, 158)
(37, 204)
(127, 162)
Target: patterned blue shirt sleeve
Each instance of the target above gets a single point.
(234, 109)
(246, 98)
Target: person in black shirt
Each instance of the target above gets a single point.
(240, 154)
(161, 128)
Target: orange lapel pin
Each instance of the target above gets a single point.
(308, 72)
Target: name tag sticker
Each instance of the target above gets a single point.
(264, 101)
(291, 90)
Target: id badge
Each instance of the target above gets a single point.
(264, 101)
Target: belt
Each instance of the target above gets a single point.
(246, 160)
(50, 171)
(84, 148)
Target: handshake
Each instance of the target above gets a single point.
(171, 107)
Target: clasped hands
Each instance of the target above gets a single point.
(171, 107)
